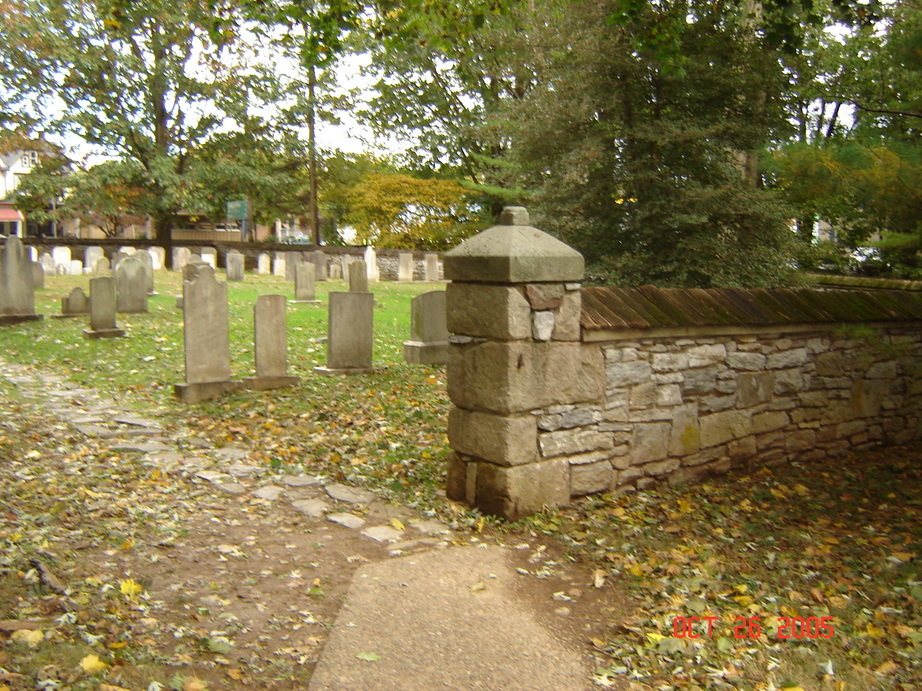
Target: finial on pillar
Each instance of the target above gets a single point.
(514, 216)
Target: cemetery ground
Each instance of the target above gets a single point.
(120, 568)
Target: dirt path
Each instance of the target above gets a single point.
(148, 558)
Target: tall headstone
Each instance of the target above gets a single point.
(371, 264)
(292, 259)
(428, 344)
(102, 309)
(181, 258)
(263, 264)
(206, 337)
(270, 344)
(432, 267)
(233, 262)
(209, 255)
(17, 292)
(304, 283)
(279, 265)
(131, 285)
(148, 261)
(38, 276)
(320, 261)
(358, 278)
(102, 267)
(405, 267)
(76, 303)
(158, 255)
(91, 255)
(76, 267)
(61, 257)
(47, 262)
(349, 333)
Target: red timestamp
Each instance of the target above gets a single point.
(751, 627)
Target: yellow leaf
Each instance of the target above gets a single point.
(398, 524)
(788, 612)
(156, 474)
(904, 556)
(792, 688)
(127, 544)
(801, 490)
(194, 685)
(28, 636)
(654, 637)
(235, 673)
(635, 570)
(905, 631)
(117, 645)
(685, 506)
(742, 588)
(887, 668)
(130, 587)
(777, 494)
(91, 664)
(873, 632)
(743, 600)
(619, 512)
(480, 523)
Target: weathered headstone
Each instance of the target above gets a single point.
(349, 333)
(102, 266)
(371, 264)
(270, 344)
(38, 276)
(17, 293)
(117, 259)
(358, 278)
(233, 262)
(158, 255)
(128, 250)
(292, 259)
(61, 257)
(336, 272)
(405, 267)
(102, 309)
(304, 283)
(131, 285)
(91, 255)
(76, 267)
(428, 344)
(47, 262)
(74, 304)
(263, 264)
(205, 336)
(279, 265)
(432, 267)
(320, 261)
(209, 255)
(181, 258)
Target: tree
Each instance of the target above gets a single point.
(150, 82)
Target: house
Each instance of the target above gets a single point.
(13, 165)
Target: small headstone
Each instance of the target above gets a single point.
(128, 250)
(38, 276)
(102, 267)
(279, 267)
(432, 267)
(117, 259)
(102, 309)
(292, 259)
(209, 255)
(47, 262)
(349, 333)
(76, 267)
(304, 283)
(131, 285)
(76, 303)
(62, 257)
(428, 344)
(233, 261)
(271, 344)
(91, 255)
(148, 261)
(336, 272)
(158, 255)
(17, 291)
(181, 258)
(320, 261)
(358, 277)
(405, 267)
(206, 339)
(263, 264)
(371, 263)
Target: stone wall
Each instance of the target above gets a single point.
(678, 408)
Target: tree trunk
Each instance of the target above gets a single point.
(312, 150)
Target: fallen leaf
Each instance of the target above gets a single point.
(194, 685)
(598, 578)
(29, 637)
(130, 587)
(887, 668)
(398, 524)
(91, 664)
(369, 657)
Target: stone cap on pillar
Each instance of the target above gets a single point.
(514, 252)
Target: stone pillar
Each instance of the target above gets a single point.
(206, 338)
(405, 267)
(270, 338)
(358, 277)
(432, 267)
(371, 264)
(513, 309)
(102, 309)
(428, 344)
(350, 333)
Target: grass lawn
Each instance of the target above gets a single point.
(809, 575)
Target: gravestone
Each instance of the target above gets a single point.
(263, 264)
(128, 250)
(47, 262)
(270, 338)
(131, 285)
(336, 272)
(206, 339)
(38, 276)
(148, 261)
(76, 303)
(17, 293)
(304, 283)
(33, 253)
(371, 264)
(292, 259)
(102, 309)
(102, 266)
(158, 255)
(279, 267)
(181, 258)
(432, 267)
(117, 259)
(405, 267)
(349, 333)
(91, 255)
(320, 261)
(76, 267)
(61, 257)
(358, 277)
(233, 262)
(428, 344)
(209, 255)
